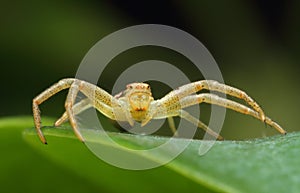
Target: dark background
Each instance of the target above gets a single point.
(255, 43)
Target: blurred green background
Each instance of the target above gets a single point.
(255, 43)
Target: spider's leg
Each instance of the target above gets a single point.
(164, 111)
(100, 99)
(172, 125)
(97, 98)
(275, 125)
(216, 86)
(77, 108)
(199, 124)
(86, 103)
(61, 85)
(73, 91)
(215, 99)
(109, 106)
(213, 85)
(185, 115)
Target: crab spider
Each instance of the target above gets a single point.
(137, 104)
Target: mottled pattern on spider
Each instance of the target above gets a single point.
(137, 104)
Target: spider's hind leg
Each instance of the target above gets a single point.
(215, 99)
(185, 115)
(77, 108)
(172, 126)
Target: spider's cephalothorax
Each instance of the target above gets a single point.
(138, 96)
(137, 104)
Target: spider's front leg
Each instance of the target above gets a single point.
(109, 106)
(61, 85)
(191, 88)
(73, 84)
(172, 103)
(97, 97)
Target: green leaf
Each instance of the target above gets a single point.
(65, 149)
(23, 169)
(260, 165)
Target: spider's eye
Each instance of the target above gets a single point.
(129, 86)
(148, 87)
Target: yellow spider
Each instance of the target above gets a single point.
(137, 104)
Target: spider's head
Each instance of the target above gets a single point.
(139, 96)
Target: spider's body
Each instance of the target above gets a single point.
(137, 104)
(138, 97)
